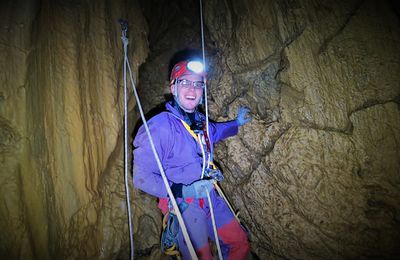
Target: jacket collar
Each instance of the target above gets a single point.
(179, 113)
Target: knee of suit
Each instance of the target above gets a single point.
(235, 238)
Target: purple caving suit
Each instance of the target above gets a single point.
(181, 158)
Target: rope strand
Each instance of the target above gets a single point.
(214, 225)
(204, 63)
(165, 180)
(207, 128)
(125, 41)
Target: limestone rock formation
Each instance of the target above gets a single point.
(61, 118)
(315, 175)
(320, 178)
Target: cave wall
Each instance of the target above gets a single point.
(61, 116)
(321, 174)
(316, 174)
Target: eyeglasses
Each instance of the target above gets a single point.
(187, 83)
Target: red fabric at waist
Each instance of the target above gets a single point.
(163, 203)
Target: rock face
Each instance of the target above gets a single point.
(321, 174)
(315, 175)
(61, 117)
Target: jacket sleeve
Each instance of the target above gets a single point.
(146, 174)
(220, 131)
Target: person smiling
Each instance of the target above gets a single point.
(188, 89)
(182, 143)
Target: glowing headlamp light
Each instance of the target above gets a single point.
(187, 67)
(195, 66)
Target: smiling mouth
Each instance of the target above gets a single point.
(190, 97)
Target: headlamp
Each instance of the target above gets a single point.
(195, 66)
(187, 67)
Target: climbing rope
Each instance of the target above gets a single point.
(165, 180)
(204, 63)
(214, 225)
(219, 190)
(207, 129)
(124, 28)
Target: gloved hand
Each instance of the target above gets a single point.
(242, 117)
(197, 189)
(215, 174)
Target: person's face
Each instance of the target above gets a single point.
(189, 96)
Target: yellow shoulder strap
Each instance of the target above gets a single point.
(190, 131)
(197, 139)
